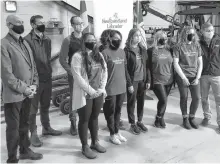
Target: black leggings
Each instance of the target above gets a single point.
(183, 89)
(88, 118)
(162, 92)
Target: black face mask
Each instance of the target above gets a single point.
(190, 37)
(18, 29)
(41, 28)
(161, 41)
(115, 44)
(90, 45)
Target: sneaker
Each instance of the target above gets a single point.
(142, 127)
(114, 140)
(193, 123)
(98, 147)
(29, 154)
(120, 137)
(35, 141)
(134, 129)
(51, 131)
(186, 123)
(162, 123)
(157, 122)
(205, 122)
(88, 153)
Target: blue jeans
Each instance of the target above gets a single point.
(208, 81)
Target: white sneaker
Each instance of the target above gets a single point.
(114, 140)
(120, 137)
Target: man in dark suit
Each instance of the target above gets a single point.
(20, 81)
(41, 48)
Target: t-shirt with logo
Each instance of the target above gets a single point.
(95, 71)
(162, 66)
(139, 72)
(116, 60)
(188, 55)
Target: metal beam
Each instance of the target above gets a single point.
(200, 11)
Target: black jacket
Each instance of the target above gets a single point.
(211, 56)
(131, 64)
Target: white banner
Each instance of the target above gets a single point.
(113, 14)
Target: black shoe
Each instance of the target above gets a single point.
(98, 147)
(73, 130)
(14, 160)
(31, 155)
(142, 127)
(134, 129)
(87, 151)
(193, 123)
(51, 131)
(162, 123)
(205, 122)
(157, 122)
(35, 141)
(186, 123)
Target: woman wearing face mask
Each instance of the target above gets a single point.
(90, 76)
(138, 80)
(116, 85)
(188, 65)
(162, 71)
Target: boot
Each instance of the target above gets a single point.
(96, 146)
(157, 122)
(162, 123)
(186, 123)
(73, 130)
(50, 131)
(35, 141)
(29, 154)
(193, 122)
(87, 151)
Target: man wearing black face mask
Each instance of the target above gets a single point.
(41, 46)
(20, 80)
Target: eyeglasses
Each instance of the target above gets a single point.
(79, 24)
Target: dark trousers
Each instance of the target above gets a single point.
(138, 94)
(112, 111)
(88, 119)
(195, 94)
(72, 114)
(162, 92)
(17, 125)
(43, 97)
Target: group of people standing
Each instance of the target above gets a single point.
(100, 76)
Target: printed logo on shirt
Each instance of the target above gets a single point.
(96, 66)
(138, 57)
(118, 60)
(163, 56)
(190, 53)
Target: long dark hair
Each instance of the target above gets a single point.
(112, 34)
(104, 39)
(96, 56)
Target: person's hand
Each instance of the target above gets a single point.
(195, 82)
(186, 81)
(96, 94)
(28, 91)
(148, 86)
(131, 89)
(33, 88)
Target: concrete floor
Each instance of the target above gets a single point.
(171, 145)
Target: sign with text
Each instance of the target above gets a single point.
(114, 14)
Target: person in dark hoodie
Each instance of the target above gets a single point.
(162, 72)
(210, 44)
(41, 47)
(138, 81)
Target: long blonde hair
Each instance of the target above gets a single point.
(159, 34)
(183, 35)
